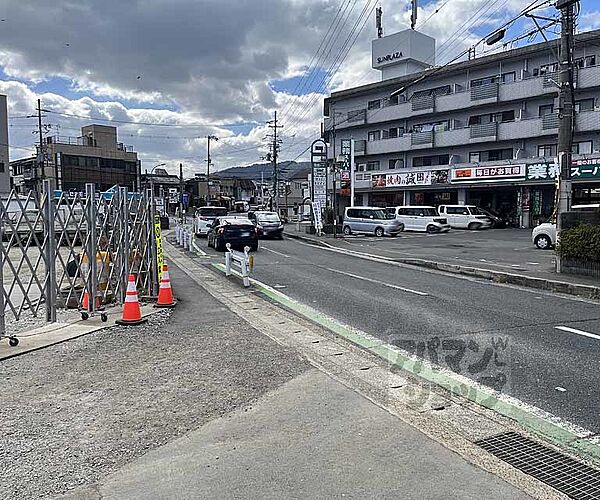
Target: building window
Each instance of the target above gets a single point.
(428, 161)
(584, 105)
(374, 135)
(396, 132)
(372, 165)
(376, 104)
(502, 116)
(393, 164)
(585, 62)
(546, 109)
(491, 155)
(443, 90)
(504, 78)
(441, 126)
(547, 150)
(1, 167)
(547, 68)
(582, 148)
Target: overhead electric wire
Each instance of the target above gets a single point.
(327, 49)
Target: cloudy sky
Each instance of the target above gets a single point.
(170, 72)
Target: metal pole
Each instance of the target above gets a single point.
(151, 208)
(92, 250)
(565, 118)
(125, 250)
(49, 253)
(2, 261)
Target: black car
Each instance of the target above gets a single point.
(496, 219)
(239, 232)
(268, 224)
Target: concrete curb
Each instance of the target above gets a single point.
(555, 286)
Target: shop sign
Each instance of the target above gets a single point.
(543, 171)
(488, 173)
(585, 169)
(426, 178)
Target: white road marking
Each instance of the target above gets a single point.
(578, 332)
(273, 251)
(389, 285)
(534, 263)
(200, 251)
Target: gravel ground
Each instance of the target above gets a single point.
(77, 411)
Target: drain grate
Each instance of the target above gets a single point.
(575, 479)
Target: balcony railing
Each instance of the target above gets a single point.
(487, 130)
(425, 102)
(421, 138)
(550, 121)
(488, 91)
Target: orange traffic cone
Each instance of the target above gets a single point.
(165, 292)
(132, 314)
(86, 302)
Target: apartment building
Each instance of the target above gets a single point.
(70, 163)
(482, 131)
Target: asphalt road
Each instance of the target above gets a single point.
(508, 250)
(455, 321)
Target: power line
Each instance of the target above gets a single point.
(130, 122)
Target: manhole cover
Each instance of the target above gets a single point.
(575, 479)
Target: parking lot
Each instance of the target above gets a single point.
(496, 249)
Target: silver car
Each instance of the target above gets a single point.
(370, 220)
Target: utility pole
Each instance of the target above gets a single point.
(565, 114)
(208, 160)
(42, 160)
(274, 153)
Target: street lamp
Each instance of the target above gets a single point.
(151, 179)
(208, 139)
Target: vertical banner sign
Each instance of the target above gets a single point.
(317, 211)
(346, 169)
(160, 256)
(318, 160)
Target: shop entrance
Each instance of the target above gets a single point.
(434, 198)
(392, 199)
(500, 201)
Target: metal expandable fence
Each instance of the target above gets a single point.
(73, 250)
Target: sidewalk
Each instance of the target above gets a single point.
(308, 437)
(543, 278)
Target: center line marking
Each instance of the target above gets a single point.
(389, 285)
(578, 332)
(273, 251)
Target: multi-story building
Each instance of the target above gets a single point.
(95, 157)
(482, 131)
(4, 163)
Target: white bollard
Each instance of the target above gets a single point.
(228, 259)
(245, 263)
(177, 235)
(191, 241)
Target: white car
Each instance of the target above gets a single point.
(465, 217)
(544, 235)
(205, 217)
(419, 218)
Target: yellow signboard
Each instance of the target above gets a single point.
(160, 256)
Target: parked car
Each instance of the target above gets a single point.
(205, 217)
(464, 217)
(544, 236)
(418, 218)
(370, 220)
(240, 232)
(241, 206)
(496, 219)
(268, 224)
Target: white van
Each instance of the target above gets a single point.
(465, 217)
(418, 218)
(370, 220)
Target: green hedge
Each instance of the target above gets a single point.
(580, 243)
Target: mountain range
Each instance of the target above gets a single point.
(256, 171)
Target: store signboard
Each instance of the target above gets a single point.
(319, 172)
(585, 169)
(482, 174)
(543, 171)
(425, 178)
